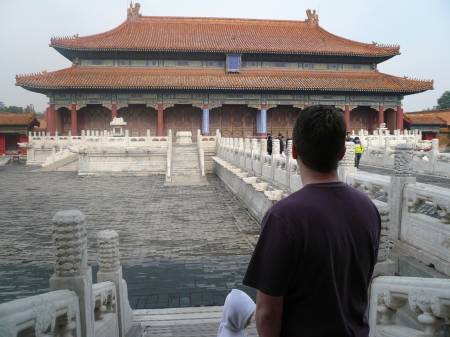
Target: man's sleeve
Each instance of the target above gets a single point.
(275, 259)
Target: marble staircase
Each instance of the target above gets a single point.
(185, 164)
(186, 322)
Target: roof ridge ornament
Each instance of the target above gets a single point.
(133, 12)
(313, 18)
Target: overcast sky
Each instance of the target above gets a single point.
(421, 28)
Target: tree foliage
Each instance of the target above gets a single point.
(444, 101)
(19, 110)
(14, 109)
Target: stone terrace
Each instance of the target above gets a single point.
(180, 246)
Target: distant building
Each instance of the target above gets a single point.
(14, 129)
(2, 105)
(245, 77)
(432, 123)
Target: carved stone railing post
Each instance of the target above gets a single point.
(263, 147)
(433, 154)
(70, 262)
(403, 162)
(111, 270)
(275, 155)
(347, 164)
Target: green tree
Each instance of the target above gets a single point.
(14, 109)
(444, 101)
(29, 108)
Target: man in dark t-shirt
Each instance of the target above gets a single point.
(315, 256)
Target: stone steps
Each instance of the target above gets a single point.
(187, 322)
(185, 168)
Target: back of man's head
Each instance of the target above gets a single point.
(319, 137)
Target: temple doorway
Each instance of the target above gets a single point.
(237, 121)
(183, 117)
(281, 119)
(139, 119)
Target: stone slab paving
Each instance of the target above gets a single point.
(180, 245)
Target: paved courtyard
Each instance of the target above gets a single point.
(179, 245)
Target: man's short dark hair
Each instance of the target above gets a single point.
(319, 137)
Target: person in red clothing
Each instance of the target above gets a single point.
(317, 249)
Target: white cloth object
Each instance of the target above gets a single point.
(237, 310)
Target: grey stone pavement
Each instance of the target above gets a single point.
(180, 246)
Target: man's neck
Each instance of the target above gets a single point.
(313, 177)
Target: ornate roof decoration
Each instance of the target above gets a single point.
(147, 33)
(133, 12)
(248, 79)
(313, 18)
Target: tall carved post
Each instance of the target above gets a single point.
(403, 162)
(275, 155)
(247, 144)
(434, 153)
(70, 261)
(263, 147)
(74, 121)
(111, 270)
(347, 164)
(160, 127)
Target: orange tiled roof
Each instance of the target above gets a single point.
(16, 119)
(252, 79)
(424, 119)
(149, 33)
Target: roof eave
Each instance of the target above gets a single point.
(223, 51)
(46, 88)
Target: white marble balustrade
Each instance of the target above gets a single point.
(427, 298)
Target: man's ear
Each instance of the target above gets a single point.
(294, 152)
(342, 154)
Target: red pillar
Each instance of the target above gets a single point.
(380, 115)
(347, 116)
(74, 121)
(160, 129)
(113, 111)
(51, 119)
(23, 139)
(399, 125)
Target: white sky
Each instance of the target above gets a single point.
(421, 28)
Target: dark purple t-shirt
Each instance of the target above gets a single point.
(318, 248)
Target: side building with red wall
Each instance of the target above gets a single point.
(14, 129)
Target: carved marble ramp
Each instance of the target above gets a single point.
(186, 322)
(185, 168)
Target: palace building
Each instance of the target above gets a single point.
(245, 77)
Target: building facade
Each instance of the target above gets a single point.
(244, 77)
(14, 129)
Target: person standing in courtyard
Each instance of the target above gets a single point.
(359, 150)
(349, 137)
(317, 248)
(269, 144)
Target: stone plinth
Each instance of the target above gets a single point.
(184, 137)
